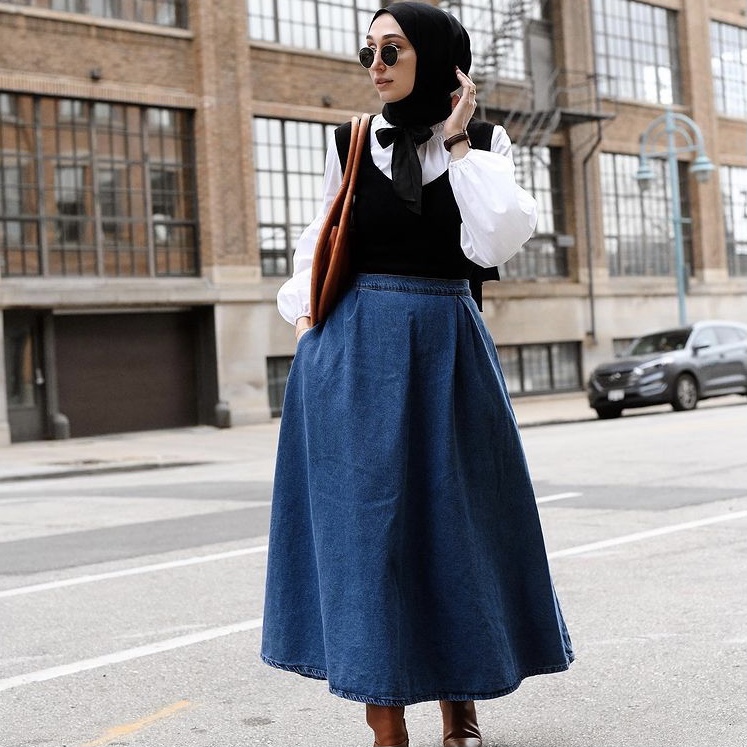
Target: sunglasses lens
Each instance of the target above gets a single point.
(366, 56)
(389, 55)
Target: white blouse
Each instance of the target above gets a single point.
(498, 216)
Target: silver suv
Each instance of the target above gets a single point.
(676, 366)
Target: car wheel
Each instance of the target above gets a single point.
(608, 413)
(685, 393)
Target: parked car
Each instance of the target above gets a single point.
(676, 366)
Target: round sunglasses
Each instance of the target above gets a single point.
(389, 54)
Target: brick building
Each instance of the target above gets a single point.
(158, 159)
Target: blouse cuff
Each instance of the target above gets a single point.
(293, 297)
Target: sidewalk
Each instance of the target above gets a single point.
(206, 445)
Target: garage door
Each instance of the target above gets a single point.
(127, 372)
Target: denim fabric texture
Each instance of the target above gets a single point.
(406, 557)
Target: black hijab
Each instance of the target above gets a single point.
(441, 43)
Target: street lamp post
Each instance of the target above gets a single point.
(666, 127)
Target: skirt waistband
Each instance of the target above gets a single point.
(411, 284)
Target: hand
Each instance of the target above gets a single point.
(303, 325)
(463, 106)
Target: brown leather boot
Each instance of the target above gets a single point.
(388, 724)
(460, 724)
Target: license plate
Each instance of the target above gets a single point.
(616, 395)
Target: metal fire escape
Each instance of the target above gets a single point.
(554, 98)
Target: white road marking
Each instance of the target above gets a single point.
(129, 654)
(89, 579)
(637, 536)
(213, 633)
(557, 497)
(197, 560)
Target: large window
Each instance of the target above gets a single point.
(636, 51)
(729, 67)
(93, 188)
(734, 190)
(541, 368)
(638, 230)
(335, 26)
(289, 165)
(496, 29)
(160, 12)
(538, 171)
(278, 369)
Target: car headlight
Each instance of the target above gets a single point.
(645, 368)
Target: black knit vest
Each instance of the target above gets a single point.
(387, 238)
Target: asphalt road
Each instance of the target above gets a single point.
(130, 604)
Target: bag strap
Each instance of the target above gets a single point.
(337, 219)
(352, 166)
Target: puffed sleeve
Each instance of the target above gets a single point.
(294, 294)
(498, 216)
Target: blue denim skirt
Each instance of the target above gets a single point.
(406, 559)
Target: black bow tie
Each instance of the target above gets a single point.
(407, 174)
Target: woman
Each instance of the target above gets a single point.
(406, 558)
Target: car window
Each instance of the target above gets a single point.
(705, 337)
(729, 335)
(661, 342)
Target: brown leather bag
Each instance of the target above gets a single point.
(330, 269)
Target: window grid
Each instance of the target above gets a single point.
(333, 26)
(289, 166)
(538, 171)
(541, 368)
(637, 54)
(278, 369)
(729, 67)
(496, 29)
(734, 191)
(171, 13)
(96, 189)
(638, 231)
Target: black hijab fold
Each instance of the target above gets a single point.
(441, 44)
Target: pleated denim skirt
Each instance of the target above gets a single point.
(406, 558)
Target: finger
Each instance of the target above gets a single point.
(467, 83)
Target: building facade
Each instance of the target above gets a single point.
(159, 159)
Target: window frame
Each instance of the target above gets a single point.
(539, 171)
(305, 24)
(288, 199)
(138, 11)
(559, 361)
(621, 43)
(730, 100)
(63, 237)
(734, 197)
(649, 250)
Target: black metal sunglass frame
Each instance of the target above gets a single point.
(389, 55)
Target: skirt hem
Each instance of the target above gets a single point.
(321, 674)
